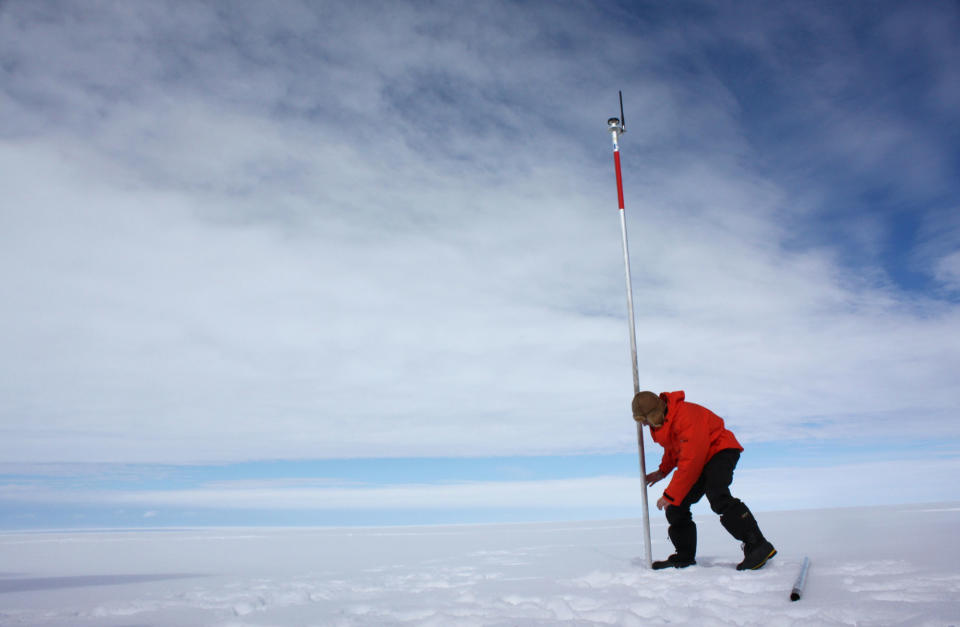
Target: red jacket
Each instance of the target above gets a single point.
(690, 436)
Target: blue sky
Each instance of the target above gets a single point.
(309, 263)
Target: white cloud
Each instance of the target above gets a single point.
(938, 254)
(222, 249)
(947, 270)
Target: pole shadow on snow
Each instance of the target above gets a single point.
(29, 584)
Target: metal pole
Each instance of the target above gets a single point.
(797, 591)
(616, 128)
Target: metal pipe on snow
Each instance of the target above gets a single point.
(616, 128)
(798, 586)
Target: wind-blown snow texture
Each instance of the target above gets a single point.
(871, 566)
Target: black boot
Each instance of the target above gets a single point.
(739, 521)
(683, 534)
(756, 554)
(674, 561)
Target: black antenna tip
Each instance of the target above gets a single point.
(623, 121)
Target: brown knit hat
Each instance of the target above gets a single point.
(644, 403)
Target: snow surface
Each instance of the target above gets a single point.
(870, 566)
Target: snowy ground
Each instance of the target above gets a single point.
(870, 566)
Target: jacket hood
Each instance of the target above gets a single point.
(672, 398)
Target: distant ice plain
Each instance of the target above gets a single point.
(870, 566)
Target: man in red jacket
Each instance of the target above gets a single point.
(704, 453)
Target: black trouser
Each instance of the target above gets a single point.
(714, 482)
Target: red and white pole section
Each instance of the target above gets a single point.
(616, 129)
(616, 164)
